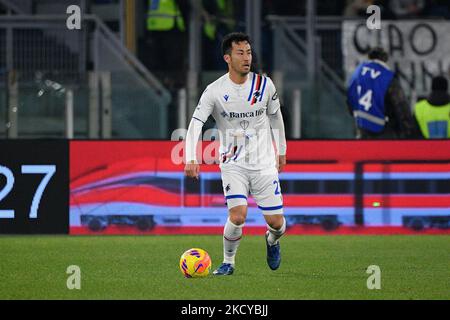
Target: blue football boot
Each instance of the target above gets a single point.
(273, 254)
(225, 269)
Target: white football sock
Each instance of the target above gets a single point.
(232, 235)
(274, 234)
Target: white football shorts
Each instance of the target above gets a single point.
(264, 186)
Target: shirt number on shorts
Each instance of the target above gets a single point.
(276, 189)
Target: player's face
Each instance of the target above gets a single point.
(240, 59)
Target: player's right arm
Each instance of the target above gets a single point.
(201, 114)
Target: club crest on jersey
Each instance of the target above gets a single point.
(244, 124)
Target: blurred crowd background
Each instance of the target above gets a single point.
(136, 68)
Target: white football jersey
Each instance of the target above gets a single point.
(241, 115)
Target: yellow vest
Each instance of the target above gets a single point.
(210, 26)
(164, 15)
(434, 122)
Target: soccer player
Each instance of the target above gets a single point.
(246, 109)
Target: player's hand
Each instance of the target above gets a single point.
(281, 162)
(192, 170)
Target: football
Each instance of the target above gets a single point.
(195, 263)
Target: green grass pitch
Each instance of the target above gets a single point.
(146, 267)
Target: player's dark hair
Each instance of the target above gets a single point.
(379, 54)
(227, 42)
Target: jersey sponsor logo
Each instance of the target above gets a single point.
(248, 114)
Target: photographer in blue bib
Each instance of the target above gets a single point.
(377, 102)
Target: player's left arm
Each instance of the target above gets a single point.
(277, 125)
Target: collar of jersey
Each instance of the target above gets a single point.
(239, 86)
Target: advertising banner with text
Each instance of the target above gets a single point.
(345, 187)
(139, 187)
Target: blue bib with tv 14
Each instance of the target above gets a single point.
(366, 93)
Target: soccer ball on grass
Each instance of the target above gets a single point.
(195, 263)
